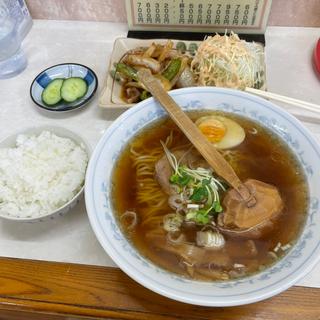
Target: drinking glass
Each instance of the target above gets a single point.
(12, 58)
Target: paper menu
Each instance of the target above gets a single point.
(249, 16)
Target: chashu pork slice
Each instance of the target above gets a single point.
(252, 222)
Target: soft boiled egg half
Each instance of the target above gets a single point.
(222, 132)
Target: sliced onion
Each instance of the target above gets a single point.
(176, 240)
(189, 268)
(253, 130)
(238, 273)
(130, 215)
(272, 255)
(172, 222)
(175, 188)
(175, 202)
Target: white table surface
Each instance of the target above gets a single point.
(70, 238)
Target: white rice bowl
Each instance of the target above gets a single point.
(42, 173)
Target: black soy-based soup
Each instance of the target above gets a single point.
(262, 156)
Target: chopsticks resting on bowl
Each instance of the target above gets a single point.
(294, 102)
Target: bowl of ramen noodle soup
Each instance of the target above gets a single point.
(160, 211)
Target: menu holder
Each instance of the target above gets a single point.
(188, 36)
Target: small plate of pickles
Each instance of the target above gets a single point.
(64, 87)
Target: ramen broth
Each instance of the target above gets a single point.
(262, 156)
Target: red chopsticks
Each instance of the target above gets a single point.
(316, 57)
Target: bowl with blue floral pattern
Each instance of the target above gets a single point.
(300, 258)
(64, 87)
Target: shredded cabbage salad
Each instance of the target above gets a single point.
(227, 61)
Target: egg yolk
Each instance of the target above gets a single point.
(213, 129)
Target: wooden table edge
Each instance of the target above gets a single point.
(52, 290)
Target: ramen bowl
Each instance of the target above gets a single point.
(299, 260)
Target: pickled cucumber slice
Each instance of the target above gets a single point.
(51, 93)
(73, 88)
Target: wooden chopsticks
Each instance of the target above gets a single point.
(291, 101)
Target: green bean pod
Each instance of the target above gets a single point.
(172, 69)
(145, 95)
(127, 71)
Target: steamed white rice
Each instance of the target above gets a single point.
(41, 174)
